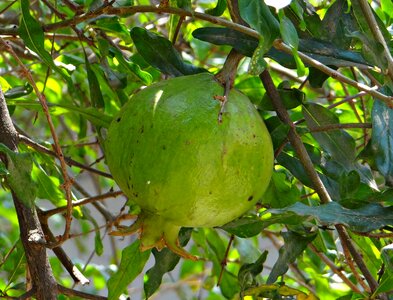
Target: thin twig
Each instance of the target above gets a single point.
(74, 293)
(224, 261)
(334, 269)
(69, 160)
(47, 214)
(313, 175)
(279, 45)
(59, 153)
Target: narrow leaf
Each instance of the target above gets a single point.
(293, 247)
(365, 219)
(94, 87)
(144, 76)
(131, 265)
(33, 36)
(160, 53)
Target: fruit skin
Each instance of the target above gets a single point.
(170, 155)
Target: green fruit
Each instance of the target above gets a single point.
(169, 153)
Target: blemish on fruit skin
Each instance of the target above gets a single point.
(118, 119)
(250, 198)
(142, 129)
(163, 147)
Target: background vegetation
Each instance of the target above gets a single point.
(319, 72)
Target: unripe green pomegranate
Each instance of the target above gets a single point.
(169, 153)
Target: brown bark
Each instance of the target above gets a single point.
(33, 239)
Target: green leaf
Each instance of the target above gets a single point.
(248, 272)
(241, 42)
(18, 91)
(219, 9)
(98, 245)
(48, 187)
(257, 14)
(19, 175)
(131, 265)
(365, 219)
(96, 117)
(337, 143)
(94, 87)
(144, 76)
(184, 4)
(382, 139)
(165, 261)
(160, 53)
(257, 62)
(280, 192)
(244, 227)
(291, 98)
(33, 36)
(337, 23)
(294, 245)
(114, 25)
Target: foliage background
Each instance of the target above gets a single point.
(328, 209)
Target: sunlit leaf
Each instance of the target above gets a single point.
(32, 34)
(131, 265)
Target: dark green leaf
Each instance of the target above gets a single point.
(160, 53)
(337, 143)
(248, 272)
(349, 184)
(382, 139)
(165, 261)
(219, 9)
(244, 227)
(278, 131)
(364, 219)
(291, 98)
(19, 178)
(293, 164)
(131, 265)
(293, 247)
(94, 87)
(18, 91)
(316, 78)
(33, 36)
(337, 23)
(280, 192)
(241, 42)
(184, 4)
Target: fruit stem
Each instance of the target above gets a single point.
(228, 72)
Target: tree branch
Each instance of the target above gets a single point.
(31, 234)
(305, 159)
